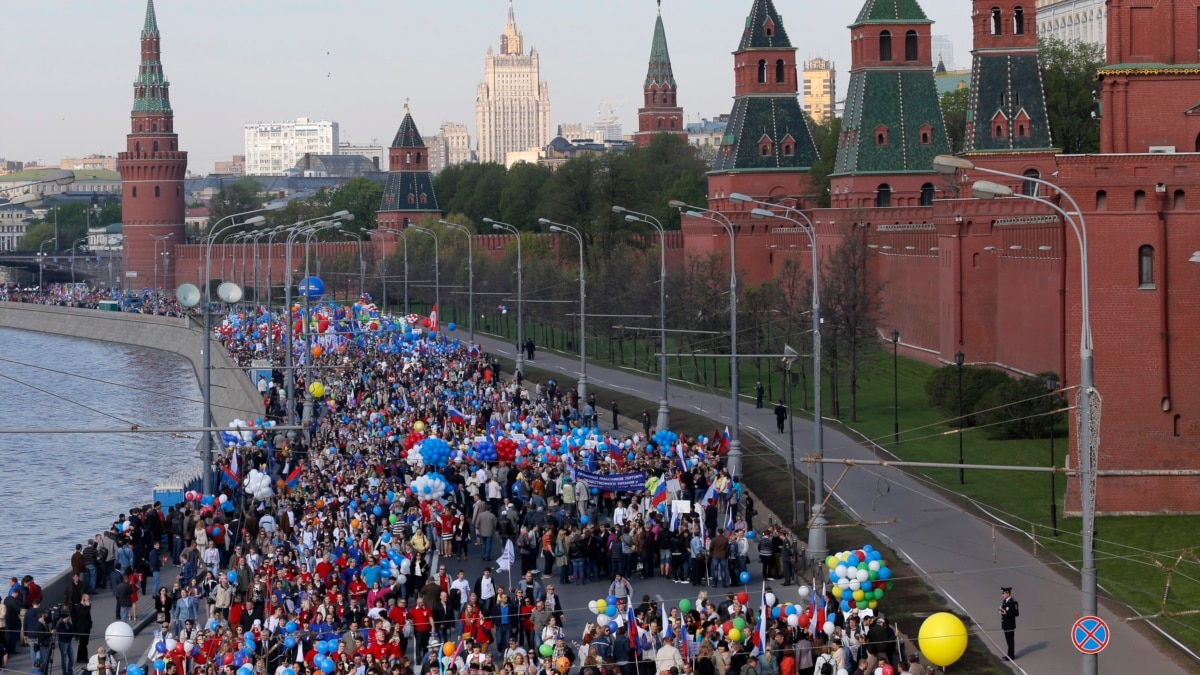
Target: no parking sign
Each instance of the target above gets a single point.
(1090, 635)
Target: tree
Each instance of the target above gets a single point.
(240, 197)
(521, 194)
(1019, 408)
(1069, 78)
(941, 391)
(954, 112)
(361, 197)
(851, 304)
(71, 218)
(825, 136)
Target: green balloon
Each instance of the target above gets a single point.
(878, 593)
(862, 604)
(872, 575)
(685, 605)
(392, 519)
(546, 649)
(739, 623)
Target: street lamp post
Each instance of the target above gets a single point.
(735, 443)
(1052, 387)
(818, 543)
(404, 238)
(896, 386)
(959, 357)
(470, 275)
(664, 407)
(307, 325)
(73, 245)
(437, 269)
(574, 232)
(511, 229)
(42, 261)
(158, 239)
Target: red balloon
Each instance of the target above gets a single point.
(227, 660)
(425, 322)
(743, 598)
(805, 620)
(727, 626)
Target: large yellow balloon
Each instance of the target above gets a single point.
(419, 426)
(942, 639)
(735, 635)
(316, 389)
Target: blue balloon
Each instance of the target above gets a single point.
(231, 576)
(751, 534)
(378, 511)
(160, 665)
(612, 626)
(327, 666)
(134, 669)
(289, 642)
(583, 520)
(612, 600)
(611, 610)
(245, 670)
(744, 577)
(288, 671)
(884, 573)
(214, 625)
(311, 287)
(291, 627)
(160, 647)
(453, 326)
(386, 538)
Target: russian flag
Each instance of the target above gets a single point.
(231, 475)
(762, 621)
(660, 494)
(682, 458)
(710, 495)
(456, 415)
(666, 624)
(724, 446)
(293, 478)
(634, 631)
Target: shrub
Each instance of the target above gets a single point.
(1018, 409)
(941, 390)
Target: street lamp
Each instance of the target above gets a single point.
(511, 229)
(437, 266)
(42, 261)
(73, 245)
(817, 537)
(664, 407)
(1052, 387)
(470, 275)
(959, 357)
(161, 238)
(895, 386)
(307, 325)
(559, 227)
(404, 238)
(735, 443)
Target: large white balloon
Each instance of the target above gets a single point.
(829, 628)
(803, 591)
(770, 598)
(118, 636)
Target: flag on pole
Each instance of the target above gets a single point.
(293, 478)
(660, 494)
(433, 319)
(506, 559)
(456, 415)
(633, 629)
(666, 624)
(762, 621)
(723, 447)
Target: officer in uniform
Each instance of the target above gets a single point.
(1009, 611)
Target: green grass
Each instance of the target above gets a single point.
(1129, 549)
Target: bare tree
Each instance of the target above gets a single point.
(851, 303)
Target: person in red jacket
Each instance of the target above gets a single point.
(422, 620)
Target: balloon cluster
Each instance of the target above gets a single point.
(793, 614)
(485, 451)
(321, 660)
(258, 484)
(860, 577)
(435, 452)
(506, 449)
(429, 487)
(665, 439)
(605, 610)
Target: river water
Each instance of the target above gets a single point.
(57, 490)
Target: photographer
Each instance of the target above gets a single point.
(64, 627)
(38, 633)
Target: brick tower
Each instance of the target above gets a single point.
(893, 127)
(408, 192)
(152, 172)
(660, 112)
(767, 149)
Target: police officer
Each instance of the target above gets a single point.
(1009, 611)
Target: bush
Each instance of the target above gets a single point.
(941, 390)
(1018, 409)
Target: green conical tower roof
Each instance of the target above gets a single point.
(408, 136)
(891, 11)
(754, 37)
(660, 72)
(151, 90)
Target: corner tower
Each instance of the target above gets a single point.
(408, 191)
(767, 149)
(152, 171)
(660, 112)
(893, 124)
(1006, 115)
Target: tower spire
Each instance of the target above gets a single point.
(511, 42)
(660, 111)
(151, 25)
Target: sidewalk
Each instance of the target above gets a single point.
(955, 551)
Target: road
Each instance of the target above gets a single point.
(960, 555)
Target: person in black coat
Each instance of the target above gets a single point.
(82, 615)
(1009, 611)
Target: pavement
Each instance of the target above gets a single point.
(960, 555)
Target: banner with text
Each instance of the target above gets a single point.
(614, 482)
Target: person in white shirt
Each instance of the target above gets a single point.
(620, 515)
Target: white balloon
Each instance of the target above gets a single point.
(845, 583)
(854, 585)
(803, 591)
(118, 636)
(793, 620)
(843, 671)
(770, 598)
(873, 565)
(171, 643)
(828, 628)
(188, 647)
(879, 671)
(864, 575)
(592, 606)
(840, 570)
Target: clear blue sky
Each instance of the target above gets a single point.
(72, 63)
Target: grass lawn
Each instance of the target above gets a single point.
(1134, 553)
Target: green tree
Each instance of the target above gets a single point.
(240, 197)
(1019, 408)
(825, 136)
(941, 390)
(68, 218)
(521, 194)
(361, 197)
(954, 112)
(851, 309)
(1069, 78)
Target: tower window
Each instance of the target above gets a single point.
(883, 195)
(1029, 188)
(910, 46)
(885, 46)
(418, 158)
(1101, 200)
(779, 74)
(927, 194)
(762, 71)
(1139, 200)
(1019, 21)
(135, 192)
(1179, 204)
(672, 123)
(154, 126)
(996, 27)
(881, 135)
(1146, 267)
(926, 132)
(999, 131)
(789, 149)
(157, 191)
(156, 146)
(660, 123)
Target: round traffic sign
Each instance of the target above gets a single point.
(1090, 635)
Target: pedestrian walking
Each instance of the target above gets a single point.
(758, 394)
(781, 413)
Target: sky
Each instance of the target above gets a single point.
(68, 87)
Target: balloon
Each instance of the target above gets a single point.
(793, 620)
(453, 326)
(546, 650)
(317, 351)
(601, 604)
(160, 665)
(751, 534)
(419, 425)
(583, 520)
(316, 388)
(593, 607)
(231, 576)
(742, 597)
(744, 577)
(216, 532)
(161, 648)
(804, 591)
(770, 599)
(118, 636)
(611, 610)
(448, 648)
(828, 628)
(134, 669)
(291, 627)
(942, 638)
(739, 623)
(289, 642)
(735, 634)
(685, 605)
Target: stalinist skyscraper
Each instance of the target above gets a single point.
(512, 107)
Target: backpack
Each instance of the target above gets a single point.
(827, 668)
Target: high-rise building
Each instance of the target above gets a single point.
(1073, 20)
(152, 171)
(820, 89)
(943, 51)
(274, 147)
(451, 146)
(512, 105)
(660, 112)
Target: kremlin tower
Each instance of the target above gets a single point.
(408, 191)
(660, 112)
(152, 171)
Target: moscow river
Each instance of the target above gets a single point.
(57, 490)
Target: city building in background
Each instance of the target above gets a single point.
(14, 220)
(512, 105)
(943, 51)
(820, 89)
(236, 166)
(89, 163)
(1073, 20)
(274, 147)
(451, 146)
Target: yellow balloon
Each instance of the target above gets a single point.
(872, 604)
(601, 604)
(419, 425)
(837, 592)
(316, 389)
(858, 596)
(942, 639)
(831, 562)
(735, 635)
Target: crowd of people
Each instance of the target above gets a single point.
(81, 296)
(333, 550)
